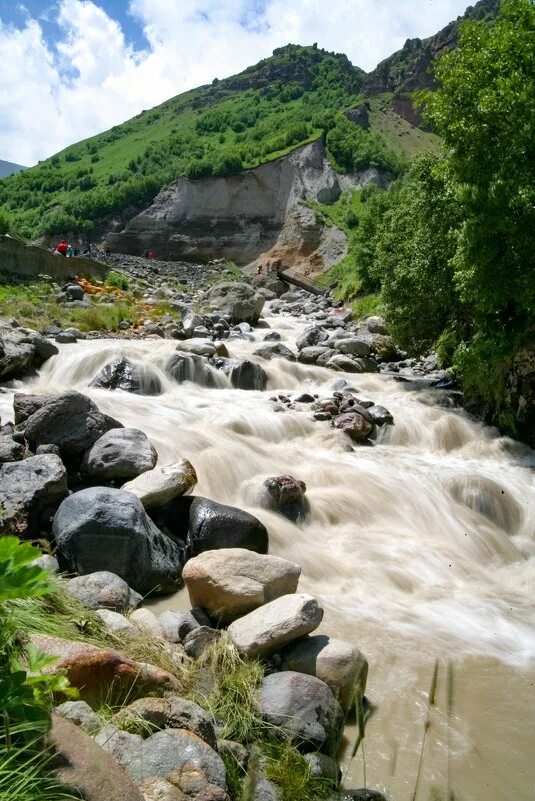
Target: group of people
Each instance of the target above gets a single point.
(63, 248)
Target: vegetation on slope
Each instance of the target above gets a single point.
(449, 244)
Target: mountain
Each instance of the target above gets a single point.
(298, 95)
(8, 168)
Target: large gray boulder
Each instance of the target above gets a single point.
(162, 484)
(240, 301)
(170, 751)
(312, 337)
(70, 420)
(104, 590)
(21, 350)
(272, 626)
(107, 529)
(275, 351)
(234, 581)
(122, 373)
(353, 346)
(190, 367)
(243, 374)
(214, 525)
(30, 491)
(304, 708)
(312, 353)
(10, 449)
(120, 453)
(336, 662)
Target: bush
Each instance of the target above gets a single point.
(5, 224)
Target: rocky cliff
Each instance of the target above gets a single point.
(253, 216)
(410, 68)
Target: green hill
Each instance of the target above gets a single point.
(295, 96)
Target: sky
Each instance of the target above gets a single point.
(72, 68)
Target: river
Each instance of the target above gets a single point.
(421, 548)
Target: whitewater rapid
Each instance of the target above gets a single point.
(421, 547)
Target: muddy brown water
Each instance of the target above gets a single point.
(421, 548)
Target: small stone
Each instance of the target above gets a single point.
(81, 714)
(117, 623)
(197, 641)
(147, 622)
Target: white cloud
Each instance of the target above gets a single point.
(51, 96)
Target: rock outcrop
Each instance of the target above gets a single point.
(252, 216)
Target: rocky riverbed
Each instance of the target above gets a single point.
(260, 472)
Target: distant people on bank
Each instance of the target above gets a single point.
(106, 248)
(149, 254)
(62, 248)
(70, 251)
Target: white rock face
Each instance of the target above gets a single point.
(336, 662)
(233, 581)
(276, 624)
(159, 486)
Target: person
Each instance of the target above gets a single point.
(69, 252)
(62, 247)
(150, 254)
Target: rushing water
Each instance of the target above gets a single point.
(420, 548)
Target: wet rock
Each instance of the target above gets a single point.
(64, 338)
(355, 425)
(10, 450)
(272, 336)
(324, 358)
(44, 348)
(193, 619)
(80, 763)
(118, 454)
(239, 300)
(70, 420)
(20, 350)
(305, 397)
(243, 373)
(275, 351)
(286, 495)
(117, 623)
(312, 336)
(214, 525)
(274, 625)
(304, 708)
(199, 639)
(336, 662)
(97, 672)
(29, 490)
(104, 590)
(121, 373)
(310, 355)
(162, 484)
(230, 582)
(199, 347)
(81, 714)
(100, 528)
(172, 712)
(380, 415)
(167, 753)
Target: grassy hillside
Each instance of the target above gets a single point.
(295, 96)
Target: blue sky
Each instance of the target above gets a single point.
(72, 68)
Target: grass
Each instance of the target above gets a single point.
(24, 773)
(34, 306)
(402, 137)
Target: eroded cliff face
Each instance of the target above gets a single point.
(252, 216)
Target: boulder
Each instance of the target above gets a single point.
(20, 351)
(81, 714)
(48, 563)
(239, 300)
(199, 639)
(353, 346)
(304, 708)
(193, 619)
(103, 590)
(190, 367)
(336, 662)
(276, 351)
(169, 622)
(159, 486)
(70, 420)
(99, 673)
(172, 712)
(74, 292)
(286, 495)
(269, 628)
(80, 763)
(243, 374)
(117, 623)
(376, 325)
(355, 425)
(380, 416)
(312, 336)
(101, 528)
(118, 454)
(122, 373)
(214, 525)
(44, 348)
(10, 449)
(64, 338)
(310, 355)
(30, 491)
(25, 405)
(234, 581)
(164, 754)
(147, 622)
